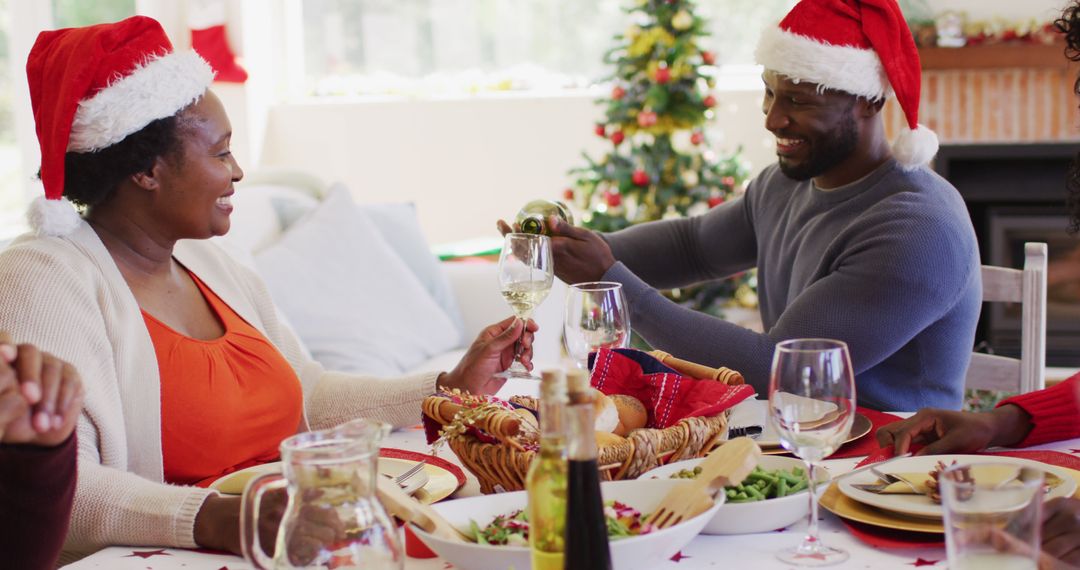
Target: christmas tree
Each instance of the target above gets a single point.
(660, 164)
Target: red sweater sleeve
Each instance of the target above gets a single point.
(37, 485)
(1055, 412)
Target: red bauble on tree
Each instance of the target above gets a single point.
(708, 57)
(709, 101)
(613, 199)
(646, 119)
(600, 131)
(568, 194)
(617, 93)
(640, 178)
(715, 201)
(617, 137)
(697, 138)
(663, 75)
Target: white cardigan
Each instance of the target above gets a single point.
(67, 296)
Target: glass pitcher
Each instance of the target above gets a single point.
(332, 518)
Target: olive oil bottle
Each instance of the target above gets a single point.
(546, 480)
(533, 217)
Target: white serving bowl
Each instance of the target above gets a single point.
(758, 516)
(637, 552)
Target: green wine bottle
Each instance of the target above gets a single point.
(533, 218)
(545, 483)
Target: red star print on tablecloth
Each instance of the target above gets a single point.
(147, 553)
(339, 561)
(679, 557)
(814, 556)
(921, 562)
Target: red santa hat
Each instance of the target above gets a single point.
(92, 87)
(862, 47)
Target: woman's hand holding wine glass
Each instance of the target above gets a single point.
(526, 273)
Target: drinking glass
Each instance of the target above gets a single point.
(992, 524)
(526, 272)
(596, 317)
(812, 407)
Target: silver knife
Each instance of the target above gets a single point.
(867, 467)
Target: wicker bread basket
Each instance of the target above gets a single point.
(503, 465)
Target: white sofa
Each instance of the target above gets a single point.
(359, 284)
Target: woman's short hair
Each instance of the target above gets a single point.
(92, 177)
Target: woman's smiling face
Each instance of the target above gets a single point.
(197, 180)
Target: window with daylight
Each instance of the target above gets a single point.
(16, 176)
(458, 47)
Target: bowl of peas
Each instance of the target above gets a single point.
(772, 497)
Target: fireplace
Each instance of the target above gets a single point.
(1015, 193)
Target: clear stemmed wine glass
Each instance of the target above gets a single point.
(812, 407)
(596, 317)
(526, 272)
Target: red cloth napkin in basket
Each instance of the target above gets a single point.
(667, 395)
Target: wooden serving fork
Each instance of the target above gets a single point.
(408, 509)
(727, 465)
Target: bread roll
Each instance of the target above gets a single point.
(607, 415)
(605, 439)
(632, 414)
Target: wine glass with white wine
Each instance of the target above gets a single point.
(812, 407)
(526, 272)
(596, 317)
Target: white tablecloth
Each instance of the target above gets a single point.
(749, 551)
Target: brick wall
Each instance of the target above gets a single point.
(996, 105)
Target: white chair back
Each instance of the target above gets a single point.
(1027, 287)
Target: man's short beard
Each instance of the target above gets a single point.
(826, 151)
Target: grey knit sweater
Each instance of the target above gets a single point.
(888, 264)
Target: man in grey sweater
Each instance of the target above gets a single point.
(853, 240)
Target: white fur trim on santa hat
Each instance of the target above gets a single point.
(845, 68)
(914, 148)
(52, 217)
(158, 88)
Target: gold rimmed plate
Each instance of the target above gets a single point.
(770, 446)
(845, 507)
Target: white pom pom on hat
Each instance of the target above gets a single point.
(862, 47)
(91, 87)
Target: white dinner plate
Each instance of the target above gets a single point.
(922, 505)
(234, 483)
(755, 413)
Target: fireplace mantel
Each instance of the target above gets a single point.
(995, 56)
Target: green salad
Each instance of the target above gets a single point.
(512, 529)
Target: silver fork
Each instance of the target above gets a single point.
(412, 471)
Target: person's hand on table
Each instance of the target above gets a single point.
(494, 350)
(945, 431)
(580, 255)
(40, 396)
(1061, 533)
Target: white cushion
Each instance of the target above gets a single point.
(398, 224)
(355, 303)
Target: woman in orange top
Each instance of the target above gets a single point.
(190, 372)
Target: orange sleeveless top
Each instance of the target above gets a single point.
(226, 403)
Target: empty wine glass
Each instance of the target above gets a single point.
(596, 317)
(526, 272)
(812, 407)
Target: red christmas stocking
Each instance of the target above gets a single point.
(206, 18)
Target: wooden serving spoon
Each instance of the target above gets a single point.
(727, 465)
